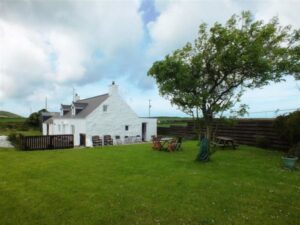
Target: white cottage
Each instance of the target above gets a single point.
(106, 114)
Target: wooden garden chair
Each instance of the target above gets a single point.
(97, 141)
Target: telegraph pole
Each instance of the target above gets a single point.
(46, 103)
(73, 94)
(149, 106)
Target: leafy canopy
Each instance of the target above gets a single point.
(34, 119)
(210, 75)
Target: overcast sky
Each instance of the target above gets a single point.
(47, 48)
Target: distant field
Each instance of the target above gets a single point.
(18, 119)
(16, 125)
(166, 118)
(5, 114)
(172, 121)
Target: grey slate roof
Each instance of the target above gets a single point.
(80, 104)
(88, 105)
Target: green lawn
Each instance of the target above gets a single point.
(135, 185)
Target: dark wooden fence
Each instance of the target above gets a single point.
(47, 142)
(253, 132)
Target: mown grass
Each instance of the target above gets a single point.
(135, 185)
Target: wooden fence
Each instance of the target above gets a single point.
(47, 142)
(245, 131)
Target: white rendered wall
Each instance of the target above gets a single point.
(151, 127)
(44, 129)
(113, 121)
(63, 126)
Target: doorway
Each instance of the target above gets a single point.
(82, 139)
(144, 131)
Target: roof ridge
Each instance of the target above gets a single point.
(91, 97)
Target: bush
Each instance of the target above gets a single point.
(288, 128)
(15, 140)
(295, 150)
(262, 142)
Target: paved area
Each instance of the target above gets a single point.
(4, 143)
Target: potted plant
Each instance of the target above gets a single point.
(289, 160)
(288, 128)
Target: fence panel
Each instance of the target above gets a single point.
(47, 142)
(244, 131)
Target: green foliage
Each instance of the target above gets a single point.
(210, 75)
(34, 120)
(295, 150)
(288, 128)
(15, 139)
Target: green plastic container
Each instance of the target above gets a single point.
(289, 162)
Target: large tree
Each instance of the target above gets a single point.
(210, 75)
(34, 119)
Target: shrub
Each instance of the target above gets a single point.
(15, 140)
(295, 150)
(288, 129)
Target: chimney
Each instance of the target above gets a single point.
(77, 98)
(113, 89)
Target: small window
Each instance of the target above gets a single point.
(126, 127)
(78, 111)
(105, 108)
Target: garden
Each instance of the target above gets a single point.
(132, 184)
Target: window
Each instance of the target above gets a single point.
(59, 128)
(64, 112)
(77, 111)
(105, 108)
(126, 127)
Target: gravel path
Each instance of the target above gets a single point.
(4, 143)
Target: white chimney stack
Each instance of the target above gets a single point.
(113, 89)
(77, 98)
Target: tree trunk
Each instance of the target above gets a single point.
(208, 131)
(208, 118)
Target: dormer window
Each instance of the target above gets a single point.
(78, 111)
(65, 109)
(105, 108)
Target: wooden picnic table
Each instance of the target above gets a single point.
(164, 142)
(223, 142)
